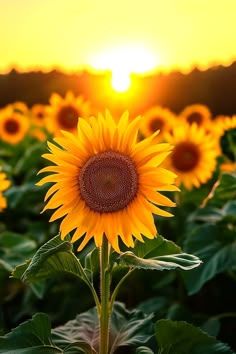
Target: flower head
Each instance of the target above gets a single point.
(107, 183)
(64, 113)
(194, 155)
(196, 113)
(13, 125)
(4, 184)
(157, 118)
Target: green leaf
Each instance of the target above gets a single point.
(223, 190)
(183, 260)
(15, 248)
(183, 338)
(53, 257)
(127, 328)
(158, 246)
(215, 246)
(32, 336)
(32, 153)
(79, 348)
(144, 350)
(159, 254)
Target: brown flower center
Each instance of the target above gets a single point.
(108, 182)
(11, 126)
(195, 117)
(156, 124)
(185, 156)
(68, 117)
(40, 115)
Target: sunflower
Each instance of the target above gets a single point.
(64, 113)
(157, 118)
(4, 184)
(226, 127)
(196, 113)
(194, 155)
(38, 114)
(224, 123)
(107, 183)
(13, 125)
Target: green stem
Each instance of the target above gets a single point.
(105, 277)
(90, 285)
(117, 288)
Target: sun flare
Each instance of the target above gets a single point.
(123, 61)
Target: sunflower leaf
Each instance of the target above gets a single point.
(216, 246)
(32, 336)
(159, 254)
(223, 190)
(127, 328)
(53, 257)
(179, 337)
(144, 350)
(182, 260)
(158, 246)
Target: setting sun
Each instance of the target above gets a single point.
(123, 61)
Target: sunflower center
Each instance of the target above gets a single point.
(40, 115)
(195, 117)
(185, 156)
(156, 124)
(11, 126)
(68, 117)
(108, 182)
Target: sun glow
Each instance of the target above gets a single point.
(123, 61)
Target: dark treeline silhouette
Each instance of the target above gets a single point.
(215, 87)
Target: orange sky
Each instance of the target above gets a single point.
(72, 34)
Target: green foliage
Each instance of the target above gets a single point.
(127, 328)
(214, 242)
(53, 257)
(159, 254)
(183, 338)
(32, 336)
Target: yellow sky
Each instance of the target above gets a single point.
(71, 33)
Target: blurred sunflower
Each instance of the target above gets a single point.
(13, 125)
(196, 113)
(38, 114)
(107, 183)
(4, 184)
(227, 133)
(224, 123)
(64, 113)
(194, 155)
(157, 118)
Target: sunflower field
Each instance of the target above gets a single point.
(117, 233)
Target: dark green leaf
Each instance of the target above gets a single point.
(183, 338)
(144, 350)
(79, 348)
(223, 190)
(127, 328)
(215, 248)
(32, 336)
(183, 260)
(16, 248)
(53, 257)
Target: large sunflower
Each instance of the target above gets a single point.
(157, 118)
(4, 184)
(196, 113)
(64, 113)
(13, 125)
(194, 155)
(105, 183)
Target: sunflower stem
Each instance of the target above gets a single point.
(105, 277)
(117, 288)
(91, 287)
